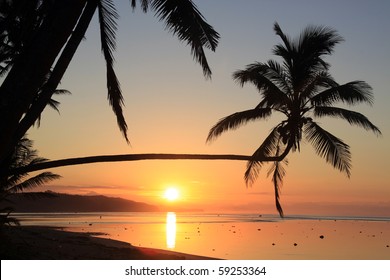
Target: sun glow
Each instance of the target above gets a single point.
(171, 194)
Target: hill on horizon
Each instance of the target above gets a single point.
(59, 202)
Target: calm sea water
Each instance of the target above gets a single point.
(234, 236)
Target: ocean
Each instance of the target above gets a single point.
(234, 236)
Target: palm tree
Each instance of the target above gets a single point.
(19, 22)
(34, 70)
(24, 155)
(301, 89)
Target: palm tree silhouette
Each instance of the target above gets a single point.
(301, 89)
(38, 39)
(23, 155)
(34, 64)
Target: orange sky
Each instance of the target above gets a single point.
(170, 107)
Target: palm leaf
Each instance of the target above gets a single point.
(237, 119)
(317, 83)
(353, 118)
(268, 148)
(6, 219)
(270, 83)
(23, 153)
(108, 26)
(285, 51)
(37, 160)
(53, 104)
(11, 181)
(280, 76)
(144, 5)
(318, 40)
(314, 42)
(4, 69)
(349, 93)
(278, 172)
(328, 146)
(185, 21)
(34, 182)
(303, 57)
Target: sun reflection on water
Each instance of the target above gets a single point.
(171, 230)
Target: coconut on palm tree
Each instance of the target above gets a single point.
(300, 88)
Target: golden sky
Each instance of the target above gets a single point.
(170, 108)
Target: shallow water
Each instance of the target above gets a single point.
(235, 236)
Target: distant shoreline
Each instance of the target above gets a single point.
(253, 216)
(53, 202)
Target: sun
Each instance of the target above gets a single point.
(171, 194)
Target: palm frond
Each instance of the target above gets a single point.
(278, 172)
(185, 21)
(35, 181)
(328, 146)
(268, 79)
(316, 41)
(350, 93)
(144, 4)
(108, 26)
(5, 218)
(283, 50)
(37, 160)
(303, 57)
(62, 91)
(25, 155)
(11, 181)
(237, 119)
(353, 118)
(317, 83)
(4, 69)
(268, 148)
(279, 76)
(54, 104)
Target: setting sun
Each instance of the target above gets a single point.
(171, 194)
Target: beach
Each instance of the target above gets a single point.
(199, 236)
(49, 243)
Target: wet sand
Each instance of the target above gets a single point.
(49, 243)
(260, 240)
(245, 238)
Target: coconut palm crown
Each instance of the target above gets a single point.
(23, 155)
(300, 88)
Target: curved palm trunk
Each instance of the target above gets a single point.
(125, 157)
(134, 157)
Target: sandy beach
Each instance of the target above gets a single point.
(51, 243)
(115, 236)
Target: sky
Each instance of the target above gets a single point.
(170, 107)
